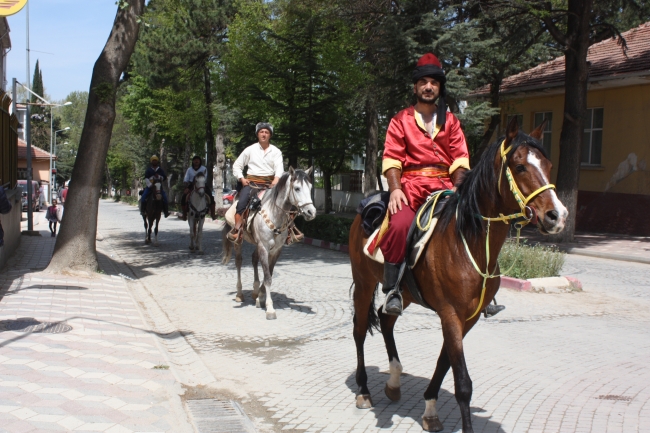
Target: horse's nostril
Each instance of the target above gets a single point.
(552, 215)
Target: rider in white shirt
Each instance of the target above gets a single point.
(265, 168)
(196, 168)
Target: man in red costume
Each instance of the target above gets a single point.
(425, 151)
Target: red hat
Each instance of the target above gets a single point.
(429, 59)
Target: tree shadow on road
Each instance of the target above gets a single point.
(411, 405)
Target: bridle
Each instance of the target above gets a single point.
(290, 214)
(198, 213)
(521, 218)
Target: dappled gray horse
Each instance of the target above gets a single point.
(199, 205)
(268, 232)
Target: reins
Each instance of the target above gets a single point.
(291, 215)
(522, 218)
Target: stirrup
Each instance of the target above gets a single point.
(235, 235)
(394, 293)
(294, 235)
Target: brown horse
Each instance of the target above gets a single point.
(152, 210)
(449, 282)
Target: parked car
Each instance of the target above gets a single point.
(228, 195)
(22, 184)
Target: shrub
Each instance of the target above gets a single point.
(128, 199)
(326, 228)
(524, 261)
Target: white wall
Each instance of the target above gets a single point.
(342, 201)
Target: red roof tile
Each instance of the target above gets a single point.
(37, 152)
(608, 61)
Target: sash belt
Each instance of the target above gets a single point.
(260, 180)
(427, 171)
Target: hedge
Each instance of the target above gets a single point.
(524, 261)
(326, 228)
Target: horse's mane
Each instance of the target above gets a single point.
(480, 183)
(282, 184)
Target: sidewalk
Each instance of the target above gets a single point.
(76, 354)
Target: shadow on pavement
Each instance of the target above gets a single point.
(411, 404)
(280, 302)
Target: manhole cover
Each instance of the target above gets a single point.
(217, 416)
(34, 326)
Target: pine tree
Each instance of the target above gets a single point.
(37, 87)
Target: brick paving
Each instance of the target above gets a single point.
(570, 362)
(99, 376)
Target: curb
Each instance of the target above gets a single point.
(542, 285)
(326, 244)
(516, 284)
(610, 256)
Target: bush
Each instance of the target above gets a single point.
(530, 261)
(128, 199)
(326, 228)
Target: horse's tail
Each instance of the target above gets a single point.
(227, 245)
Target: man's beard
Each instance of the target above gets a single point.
(421, 99)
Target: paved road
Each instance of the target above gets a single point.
(549, 363)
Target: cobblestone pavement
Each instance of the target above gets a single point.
(572, 362)
(87, 362)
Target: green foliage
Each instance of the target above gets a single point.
(524, 261)
(326, 228)
(105, 92)
(38, 88)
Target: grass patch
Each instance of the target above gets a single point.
(326, 228)
(530, 261)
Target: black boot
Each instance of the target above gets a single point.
(393, 304)
(166, 209)
(492, 310)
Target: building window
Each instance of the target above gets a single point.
(546, 134)
(592, 141)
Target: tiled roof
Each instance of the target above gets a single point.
(608, 61)
(37, 153)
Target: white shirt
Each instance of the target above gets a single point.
(190, 174)
(259, 162)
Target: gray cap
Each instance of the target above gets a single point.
(263, 125)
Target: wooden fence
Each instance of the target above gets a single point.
(8, 143)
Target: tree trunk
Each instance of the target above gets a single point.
(495, 87)
(575, 106)
(75, 246)
(209, 133)
(218, 173)
(327, 189)
(372, 145)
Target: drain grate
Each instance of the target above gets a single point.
(614, 397)
(31, 325)
(217, 416)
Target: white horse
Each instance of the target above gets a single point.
(199, 205)
(268, 232)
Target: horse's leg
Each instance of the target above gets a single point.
(387, 323)
(190, 222)
(453, 332)
(199, 234)
(149, 230)
(265, 299)
(238, 262)
(430, 420)
(364, 317)
(256, 282)
(155, 239)
(145, 229)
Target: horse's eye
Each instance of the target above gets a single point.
(520, 168)
(297, 189)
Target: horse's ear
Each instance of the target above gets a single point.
(512, 130)
(291, 171)
(309, 171)
(537, 132)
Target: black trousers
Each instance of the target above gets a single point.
(244, 195)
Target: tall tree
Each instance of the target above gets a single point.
(75, 250)
(37, 87)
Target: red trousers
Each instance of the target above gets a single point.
(393, 244)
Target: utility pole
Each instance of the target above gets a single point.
(28, 140)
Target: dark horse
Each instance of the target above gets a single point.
(510, 181)
(153, 210)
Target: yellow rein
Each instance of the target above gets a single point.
(523, 204)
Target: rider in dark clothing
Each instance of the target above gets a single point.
(5, 207)
(154, 170)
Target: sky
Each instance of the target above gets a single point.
(73, 31)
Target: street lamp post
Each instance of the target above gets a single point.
(55, 132)
(52, 107)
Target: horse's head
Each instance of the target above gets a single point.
(526, 185)
(300, 195)
(156, 184)
(199, 184)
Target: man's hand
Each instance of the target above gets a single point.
(396, 199)
(186, 191)
(244, 181)
(275, 181)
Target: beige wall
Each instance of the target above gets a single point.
(40, 168)
(626, 136)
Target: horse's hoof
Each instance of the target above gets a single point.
(394, 394)
(271, 316)
(239, 298)
(431, 423)
(364, 401)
